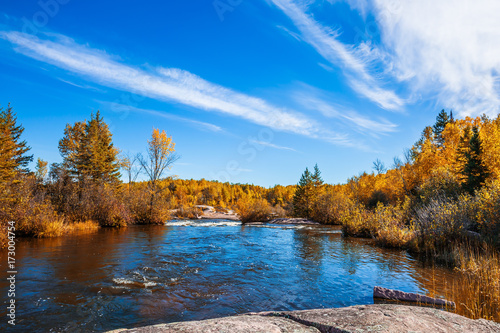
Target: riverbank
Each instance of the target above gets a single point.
(360, 318)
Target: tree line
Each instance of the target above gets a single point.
(84, 190)
(453, 158)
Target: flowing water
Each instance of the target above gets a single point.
(192, 270)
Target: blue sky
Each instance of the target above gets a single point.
(250, 91)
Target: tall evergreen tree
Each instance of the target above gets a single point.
(463, 150)
(307, 192)
(316, 177)
(441, 121)
(99, 160)
(474, 171)
(301, 206)
(13, 150)
(71, 150)
(88, 151)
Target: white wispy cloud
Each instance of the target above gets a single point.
(445, 50)
(361, 5)
(324, 40)
(291, 33)
(321, 101)
(86, 86)
(167, 84)
(271, 145)
(122, 108)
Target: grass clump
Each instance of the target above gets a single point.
(480, 270)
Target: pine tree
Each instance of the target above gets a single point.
(441, 121)
(99, 158)
(70, 149)
(88, 151)
(316, 177)
(307, 192)
(462, 151)
(7, 150)
(301, 205)
(474, 171)
(13, 151)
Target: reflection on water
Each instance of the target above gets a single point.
(191, 270)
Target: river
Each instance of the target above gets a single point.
(191, 270)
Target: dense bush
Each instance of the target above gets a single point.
(278, 211)
(254, 210)
(87, 200)
(444, 222)
(393, 226)
(32, 213)
(146, 208)
(331, 207)
(358, 221)
(376, 198)
(106, 208)
(487, 213)
(188, 212)
(441, 184)
(29, 206)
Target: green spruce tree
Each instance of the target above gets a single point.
(316, 178)
(13, 158)
(307, 192)
(474, 171)
(99, 160)
(88, 151)
(71, 150)
(441, 121)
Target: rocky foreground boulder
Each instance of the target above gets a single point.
(360, 318)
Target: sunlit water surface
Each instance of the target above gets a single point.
(191, 270)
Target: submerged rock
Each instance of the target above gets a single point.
(360, 318)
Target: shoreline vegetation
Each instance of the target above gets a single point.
(440, 202)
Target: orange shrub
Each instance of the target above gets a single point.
(330, 207)
(253, 210)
